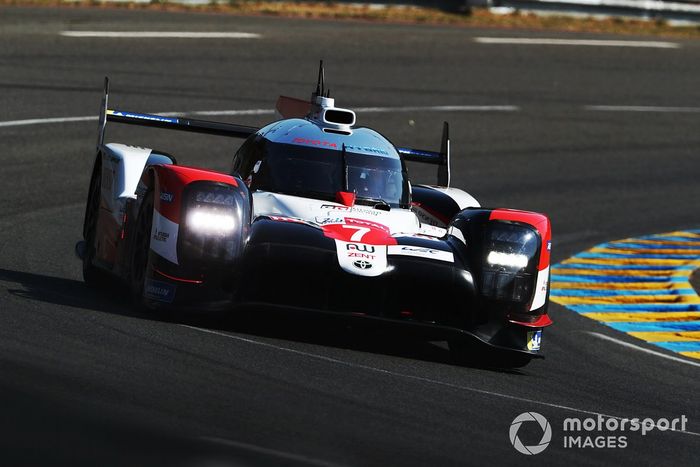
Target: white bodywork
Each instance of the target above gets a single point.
(122, 167)
(399, 221)
(354, 255)
(462, 198)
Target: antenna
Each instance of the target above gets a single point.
(321, 83)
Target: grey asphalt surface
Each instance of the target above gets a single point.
(85, 380)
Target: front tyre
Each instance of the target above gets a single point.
(92, 275)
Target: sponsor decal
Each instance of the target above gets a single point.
(364, 211)
(360, 247)
(421, 252)
(329, 220)
(164, 232)
(155, 118)
(161, 291)
(287, 219)
(549, 245)
(360, 255)
(426, 218)
(161, 236)
(534, 339)
(337, 208)
(366, 149)
(167, 197)
(361, 259)
(315, 142)
(362, 264)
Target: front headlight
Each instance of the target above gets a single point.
(508, 261)
(211, 222)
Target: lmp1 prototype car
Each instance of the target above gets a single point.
(318, 215)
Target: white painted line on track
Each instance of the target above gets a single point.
(234, 112)
(212, 113)
(642, 108)
(268, 451)
(642, 349)
(161, 34)
(577, 42)
(39, 121)
(442, 108)
(417, 378)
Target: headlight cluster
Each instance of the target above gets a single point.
(509, 269)
(205, 221)
(212, 212)
(211, 222)
(510, 260)
(212, 197)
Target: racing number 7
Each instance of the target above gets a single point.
(357, 236)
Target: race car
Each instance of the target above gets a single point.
(318, 216)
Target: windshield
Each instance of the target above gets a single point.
(321, 173)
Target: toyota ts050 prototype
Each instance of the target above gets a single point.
(317, 215)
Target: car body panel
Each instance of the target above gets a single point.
(439, 263)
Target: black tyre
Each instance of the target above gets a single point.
(140, 249)
(92, 275)
(467, 354)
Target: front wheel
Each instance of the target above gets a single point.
(92, 275)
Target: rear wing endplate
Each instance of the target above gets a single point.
(441, 159)
(171, 123)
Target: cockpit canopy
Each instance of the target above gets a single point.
(320, 168)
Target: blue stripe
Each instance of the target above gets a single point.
(157, 118)
(657, 326)
(588, 278)
(645, 246)
(634, 255)
(670, 238)
(632, 267)
(633, 307)
(617, 292)
(688, 346)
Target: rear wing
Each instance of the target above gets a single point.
(441, 159)
(171, 123)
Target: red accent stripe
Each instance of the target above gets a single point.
(172, 180)
(179, 279)
(538, 221)
(541, 322)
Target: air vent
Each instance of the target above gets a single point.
(339, 117)
(337, 132)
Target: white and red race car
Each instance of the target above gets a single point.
(317, 215)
